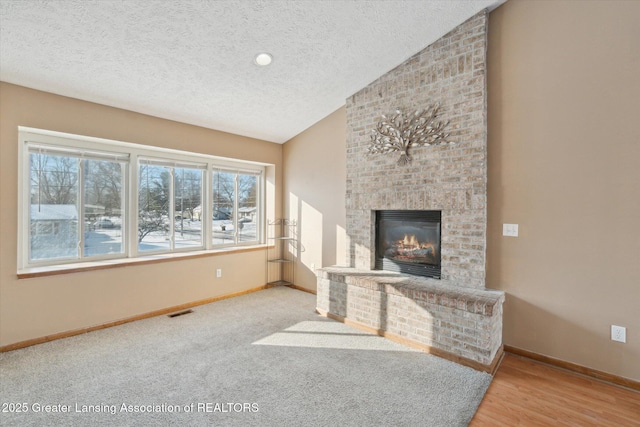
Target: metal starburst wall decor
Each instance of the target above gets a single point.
(400, 132)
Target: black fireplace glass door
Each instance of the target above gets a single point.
(408, 242)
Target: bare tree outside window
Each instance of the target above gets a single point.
(224, 194)
(247, 207)
(231, 189)
(187, 196)
(53, 213)
(57, 214)
(153, 207)
(103, 207)
(54, 179)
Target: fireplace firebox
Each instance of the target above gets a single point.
(408, 242)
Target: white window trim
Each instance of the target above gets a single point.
(32, 136)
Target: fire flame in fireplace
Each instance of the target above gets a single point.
(410, 242)
(411, 249)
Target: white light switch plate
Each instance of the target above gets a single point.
(510, 230)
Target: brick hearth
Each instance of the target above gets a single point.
(458, 323)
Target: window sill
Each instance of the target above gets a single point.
(53, 270)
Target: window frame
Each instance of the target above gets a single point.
(172, 165)
(28, 137)
(80, 154)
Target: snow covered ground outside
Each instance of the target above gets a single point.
(188, 234)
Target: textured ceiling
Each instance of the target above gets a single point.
(192, 60)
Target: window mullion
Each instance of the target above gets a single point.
(236, 235)
(206, 214)
(260, 209)
(132, 208)
(124, 208)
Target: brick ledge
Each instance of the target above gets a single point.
(441, 292)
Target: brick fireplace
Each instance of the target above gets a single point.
(455, 316)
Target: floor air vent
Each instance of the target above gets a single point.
(180, 313)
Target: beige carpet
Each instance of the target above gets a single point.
(262, 359)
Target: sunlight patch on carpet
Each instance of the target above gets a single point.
(323, 334)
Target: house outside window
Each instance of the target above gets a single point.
(66, 186)
(53, 231)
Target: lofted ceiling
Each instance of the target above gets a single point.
(192, 60)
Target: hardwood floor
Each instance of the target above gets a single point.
(528, 393)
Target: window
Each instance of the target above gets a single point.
(75, 205)
(235, 207)
(247, 207)
(167, 197)
(224, 196)
(103, 207)
(88, 199)
(187, 196)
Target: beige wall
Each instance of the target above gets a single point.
(564, 164)
(314, 194)
(34, 308)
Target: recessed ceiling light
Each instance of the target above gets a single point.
(263, 59)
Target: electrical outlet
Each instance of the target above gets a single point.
(618, 333)
(313, 267)
(510, 230)
(219, 272)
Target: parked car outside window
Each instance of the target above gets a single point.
(103, 223)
